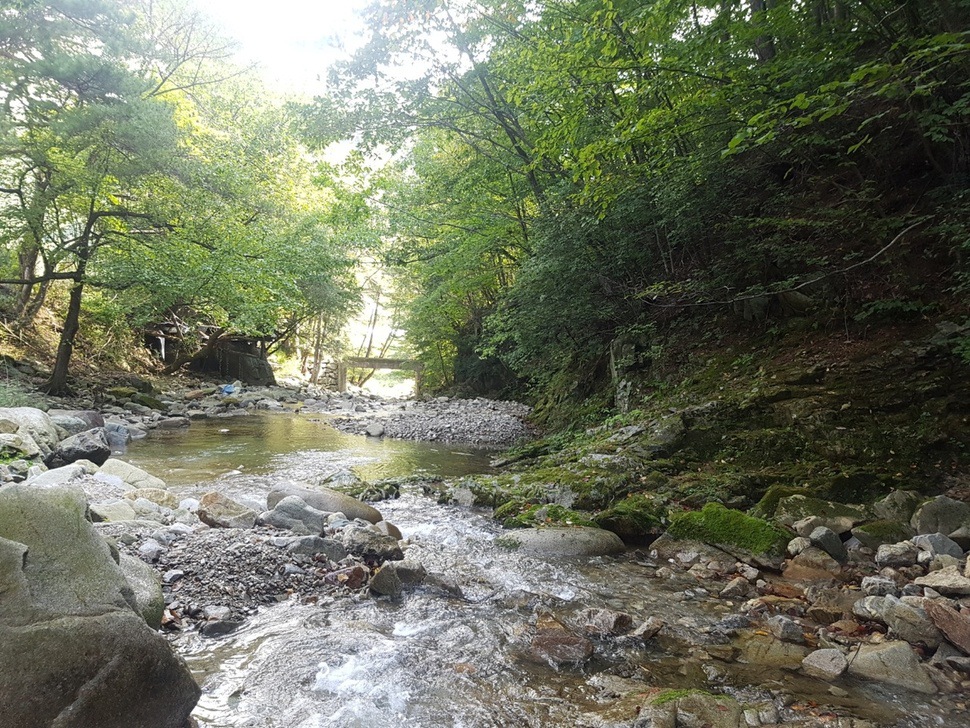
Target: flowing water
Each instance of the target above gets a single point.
(434, 660)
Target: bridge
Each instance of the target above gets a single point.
(366, 362)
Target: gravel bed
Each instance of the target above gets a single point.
(474, 421)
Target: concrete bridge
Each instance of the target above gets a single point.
(365, 362)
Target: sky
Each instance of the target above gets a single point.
(292, 41)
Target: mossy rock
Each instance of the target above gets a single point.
(840, 517)
(855, 486)
(730, 530)
(548, 514)
(766, 507)
(874, 534)
(121, 393)
(148, 400)
(637, 518)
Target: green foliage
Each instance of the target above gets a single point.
(716, 524)
(135, 163)
(572, 170)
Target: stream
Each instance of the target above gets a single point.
(434, 660)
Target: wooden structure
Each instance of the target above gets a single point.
(364, 362)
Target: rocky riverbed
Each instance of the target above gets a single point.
(815, 613)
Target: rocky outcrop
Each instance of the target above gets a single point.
(75, 649)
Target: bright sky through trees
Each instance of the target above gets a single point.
(292, 41)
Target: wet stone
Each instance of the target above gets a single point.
(606, 622)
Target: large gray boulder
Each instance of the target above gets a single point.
(563, 541)
(327, 500)
(74, 650)
(941, 515)
(34, 424)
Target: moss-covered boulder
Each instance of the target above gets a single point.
(122, 393)
(875, 533)
(691, 707)
(514, 514)
(840, 517)
(638, 518)
(766, 507)
(147, 400)
(743, 536)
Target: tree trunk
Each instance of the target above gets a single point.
(57, 384)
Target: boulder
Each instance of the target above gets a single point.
(691, 708)
(840, 517)
(825, 664)
(948, 581)
(389, 529)
(14, 445)
(827, 540)
(556, 645)
(325, 499)
(812, 565)
(374, 429)
(606, 622)
(879, 586)
(159, 496)
(938, 544)
(898, 506)
(220, 511)
(135, 477)
(88, 445)
(370, 545)
(72, 647)
(911, 623)
(562, 542)
(904, 553)
(147, 588)
(954, 625)
(396, 576)
(313, 545)
(941, 515)
(894, 663)
(294, 514)
(113, 511)
(786, 629)
(35, 424)
(68, 423)
(874, 534)
(58, 476)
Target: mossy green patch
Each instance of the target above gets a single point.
(548, 514)
(669, 696)
(121, 392)
(636, 518)
(874, 534)
(715, 524)
(766, 507)
(149, 401)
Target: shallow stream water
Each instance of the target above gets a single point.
(434, 660)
